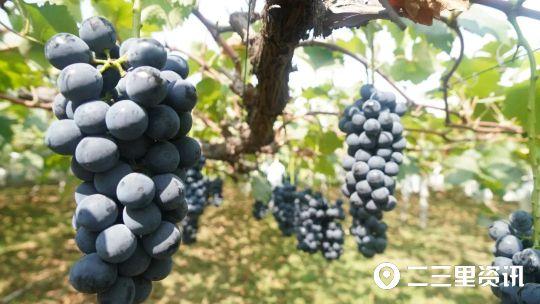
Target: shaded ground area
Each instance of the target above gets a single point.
(240, 260)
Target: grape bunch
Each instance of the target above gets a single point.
(285, 209)
(318, 225)
(215, 191)
(375, 143)
(200, 192)
(513, 247)
(259, 210)
(123, 114)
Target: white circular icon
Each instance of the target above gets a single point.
(389, 269)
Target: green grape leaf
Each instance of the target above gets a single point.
(44, 21)
(261, 189)
(515, 104)
(320, 56)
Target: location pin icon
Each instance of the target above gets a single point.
(386, 275)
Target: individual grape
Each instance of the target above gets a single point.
(63, 136)
(498, 229)
(144, 220)
(126, 45)
(397, 129)
(362, 155)
(392, 202)
(146, 52)
(162, 157)
(84, 190)
(92, 275)
(371, 108)
(386, 121)
(181, 96)
(126, 120)
(376, 163)
(116, 244)
(163, 123)
(98, 33)
(169, 191)
(175, 215)
(90, 117)
(64, 49)
(145, 86)
(136, 264)
(107, 182)
(86, 240)
(70, 109)
(360, 170)
(507, 246)
(348, 162)
(186, 122)
(521, 221)
(529, 294)
(158, 269)
(397, 157)
(346, 126)
(170, 76)
(375, 178)
(358, 121)
(372, 127)
(177, 64)
(528, 258)
(189, 150)
(143, 289)
(135, 190)
(163, 242)
(350, 181)
(122, 291)
(365, 142)
(401, 109)
(80, 82)
(121, 89)
(367, 91)
(391, 169)
(97, 154)
(134, 149)
(389, 183)
(380, 196)
(80, 172)
(59, 106)
(111, 78)
(385, 140)
(400, 144)
(96, 212)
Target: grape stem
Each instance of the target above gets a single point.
(531, 134)
(137, 7)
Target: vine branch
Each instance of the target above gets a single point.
(452, 23)
(227, 49)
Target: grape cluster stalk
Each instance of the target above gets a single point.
(124, 112)
(513, 247)
(200, 193)
(374, 153)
